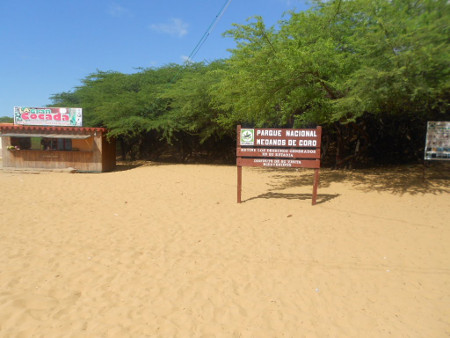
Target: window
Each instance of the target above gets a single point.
(22, 142)
(42, 143)
(56, 143)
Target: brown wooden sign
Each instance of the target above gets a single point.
(279, 148)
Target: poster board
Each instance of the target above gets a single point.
(437, 143)
(278, 148)
(51, 116)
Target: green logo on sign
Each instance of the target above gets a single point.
(247, 137)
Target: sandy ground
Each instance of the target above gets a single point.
(165, 251)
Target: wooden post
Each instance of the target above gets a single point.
(239, 183)
(316, 171)
(316, 184)
(239, 168)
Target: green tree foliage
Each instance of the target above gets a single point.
(142, 110)
(6, 119)
(191, 101)
(337, 62)
(368, 71)
(403, 53)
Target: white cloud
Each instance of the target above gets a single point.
(117, 11)
(186, 59)
(175, 27)
(295, 2)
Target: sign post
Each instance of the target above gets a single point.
(279, 148)
(315, 186)
(239, 183)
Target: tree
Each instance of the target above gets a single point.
(341, 64)
(127, 104)
(370, 72)
(6, 119)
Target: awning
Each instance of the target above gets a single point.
(72, 136)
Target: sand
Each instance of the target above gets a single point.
(163, 250)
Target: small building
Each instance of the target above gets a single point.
(57, 147)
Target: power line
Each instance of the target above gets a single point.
(205, 36)
(208, 31)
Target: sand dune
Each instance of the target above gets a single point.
(164, 250)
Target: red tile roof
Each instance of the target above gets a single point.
(8, 127)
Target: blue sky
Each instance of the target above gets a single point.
(48, 46)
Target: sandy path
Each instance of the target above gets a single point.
(165, 251)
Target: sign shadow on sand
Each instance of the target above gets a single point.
(321, 198)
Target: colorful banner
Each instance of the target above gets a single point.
(52, 116)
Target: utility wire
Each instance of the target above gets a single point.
(205, 36)
(208, 31)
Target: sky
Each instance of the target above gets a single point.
(49, 46)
